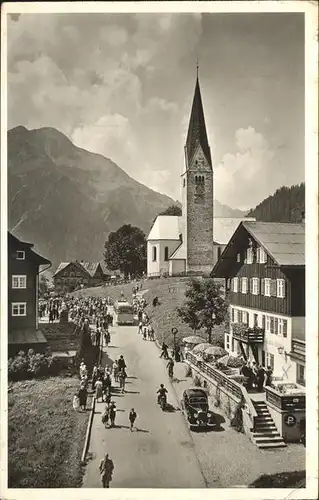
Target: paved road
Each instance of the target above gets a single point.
(160, 453)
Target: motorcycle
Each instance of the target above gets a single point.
(162, 402)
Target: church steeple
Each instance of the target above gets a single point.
(197, 129)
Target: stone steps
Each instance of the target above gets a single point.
(265, 434)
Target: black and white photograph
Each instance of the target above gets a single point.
(159, 325)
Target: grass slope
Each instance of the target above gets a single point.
(45, 434)
(171, 294)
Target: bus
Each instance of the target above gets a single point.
(123, 312)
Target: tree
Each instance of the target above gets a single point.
(44, 284)
(125, 250)
(205, 305)
(172, 210)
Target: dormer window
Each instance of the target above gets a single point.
(20, 255)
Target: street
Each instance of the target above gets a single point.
(159, 454)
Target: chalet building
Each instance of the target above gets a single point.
(264, 268)
(23, 273)
(70, 276)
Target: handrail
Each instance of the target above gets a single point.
(223, 380)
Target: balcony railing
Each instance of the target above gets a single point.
(244, 333)
(298, 349)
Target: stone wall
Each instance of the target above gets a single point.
(61, 336)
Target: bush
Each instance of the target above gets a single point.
(30, 365)
(197, 381)
(188, 371)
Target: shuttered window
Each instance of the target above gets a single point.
(276, 326)
(262, 286)
(267, 287)
(255, 286)
(281, 288)
(273, 288)
(235, 285)
(250, 256)
(244, 282)
(272, 324)
(261, 256)
(238, 257)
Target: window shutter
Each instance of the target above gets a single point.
(276, 326)
(262, 286)
(283, 288)
(232, 284)
(284, 328)
(250, 285)
(273, 288)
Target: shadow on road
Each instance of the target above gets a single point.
(136, 429)
(135, 378)
(170, 408)
(219, 419)
(132, 392)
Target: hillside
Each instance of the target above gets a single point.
(67, 200)
(285, 205)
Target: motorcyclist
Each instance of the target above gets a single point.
(162, 393)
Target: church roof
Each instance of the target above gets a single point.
(197, 129)
(165, 227)
(179, 253)
(224, 228)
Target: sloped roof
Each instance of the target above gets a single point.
(224, 228)
(13, 241)
(197, 128)
(90, 267)
(61, 266)
(285, 242)
(179, 253)
(165, 227)
(26, 336)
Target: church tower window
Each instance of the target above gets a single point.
(154, 251)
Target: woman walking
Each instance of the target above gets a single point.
(115, 371)
(82, 395)
(122, 377)
(98, 390)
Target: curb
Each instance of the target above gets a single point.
(88, 431)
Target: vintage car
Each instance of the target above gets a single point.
(194, 405)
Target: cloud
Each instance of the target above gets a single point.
(243, 178)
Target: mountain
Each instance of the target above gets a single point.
(286, 205)
(67, 200)
(221, 210)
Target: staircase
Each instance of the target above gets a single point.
(265, 434)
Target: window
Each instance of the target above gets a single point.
(244, 285)
(276, 325)
(154, 249)
(284, 328)
(19, 308)
(301, 374)
(255, 319)
(240, 316)
(250, 256)
(235, 283)
(267, 328)
(238, 257)
(272, 324)
(227, 341)
(261, 256)
(20, 255)
(281, 288)
(166, 253)
(267, 287)
(19, 281)
(255, 287)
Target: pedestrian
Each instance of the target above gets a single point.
(106, 415)
(122, 378)
(82, 395)
(106, 470)
(269, 373)
(164, 351)
(94, 376)
(132, 417)
(76, 402)
(260, 378)
(140, 327)
(115, 370)
(51, 316)
(121, 363)
(144, 333)
(98, 390)
(112, 413)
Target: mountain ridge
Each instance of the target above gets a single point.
(66, 200)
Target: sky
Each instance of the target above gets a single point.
(122, 85)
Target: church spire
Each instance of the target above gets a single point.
(197, 129)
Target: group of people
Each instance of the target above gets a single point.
(257, 376)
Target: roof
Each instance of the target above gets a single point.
(194, 392)
(284, 241)
(90, 267)
(27, 336)
(165, 227)
(61, 266)
(197, 129)
(16, 242)
(224, 228)
(179, 253)
(79, 265)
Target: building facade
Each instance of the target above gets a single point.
(71, 276)
(264, 268)
(23, 274)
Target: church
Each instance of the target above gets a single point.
(192, 243)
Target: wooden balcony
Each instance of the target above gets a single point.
(244, 333)
(298, 349)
